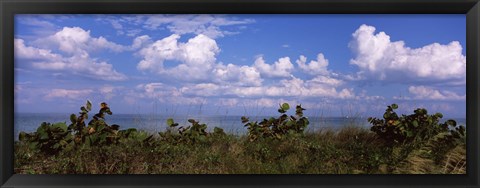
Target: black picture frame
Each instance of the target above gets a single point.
(8, 8)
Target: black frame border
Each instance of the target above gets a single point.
(8, 8)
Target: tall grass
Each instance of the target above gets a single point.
(350, 150)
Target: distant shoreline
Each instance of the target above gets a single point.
(202, 115)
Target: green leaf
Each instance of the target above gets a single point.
(201, 138)
(415, 123)
(22, 136)
(409, 134)
(89, 105)
(115, 127)
(285, 106)
(43, 136)
(299, 111)
(386, 115)
(272, 119)
(291, 132)
(83, 109)
(218, 130)
(108, 111)
(68, 137)
(43, 127)
(440, 115)
(394, 106)
(244, 119)
(451, 122)
(62, 126)
(170, 122)
(289, 123)
(88, 141)
(33, 145)
(63, 142)
(396, 122)
(103, 138)
(306, 121)
(73, 118)
(430, 120)
(441, 135)
(100, 128)
(462, 130)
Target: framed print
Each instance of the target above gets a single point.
(228, 93)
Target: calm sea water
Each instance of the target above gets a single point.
(29, 122)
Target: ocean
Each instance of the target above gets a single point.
(29, 122)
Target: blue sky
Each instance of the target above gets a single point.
(241, 64)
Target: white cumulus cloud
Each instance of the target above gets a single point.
(79, 64)
(326, 80)
(109, 91)
(423, 92)
(164, 93)
(69, 50)
(379, 58)
(28, 52)
(318, 67)
(292, 87)
(140, 42)
(75, 40)
(237, 75)
(209, 25)
(157, 90)
(197, 56)
(281, 68)
(68, 93)
(202, 89)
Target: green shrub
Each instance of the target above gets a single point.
(416, 143)
(416, 128)
(49, 138)
(278, 127)
(191, 134)
(98, 131)
(417, 139)
(52, 138)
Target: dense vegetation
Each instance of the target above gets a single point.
(416, 143)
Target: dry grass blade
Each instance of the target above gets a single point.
(455, 161)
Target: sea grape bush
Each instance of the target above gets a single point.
(101, 133)
(419, 127)
(278, 127)
(97, 131)
(191, 134)
(78, 123)
(279, 142)
(418, 136)
(49, 138)
(52, 138)
(132, 135)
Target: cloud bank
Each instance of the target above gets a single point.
(379, 58)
